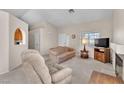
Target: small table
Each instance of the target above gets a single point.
(84, 54)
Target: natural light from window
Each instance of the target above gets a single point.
(91, 36)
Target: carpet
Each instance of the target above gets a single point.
(83, 68)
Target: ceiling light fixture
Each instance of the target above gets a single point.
(71, 11)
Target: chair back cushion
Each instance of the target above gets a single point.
(34, 58)
(30, 75)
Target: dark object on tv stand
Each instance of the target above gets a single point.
(102, 42)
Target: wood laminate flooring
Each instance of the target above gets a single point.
(101, 78)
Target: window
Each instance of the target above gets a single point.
(63, 39)
(90, 36)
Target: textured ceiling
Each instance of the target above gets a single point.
(60, 17)
(17, 12)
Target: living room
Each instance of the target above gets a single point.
(66, 37)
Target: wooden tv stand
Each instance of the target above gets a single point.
(102, 54)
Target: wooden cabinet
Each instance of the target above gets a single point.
(102, 54)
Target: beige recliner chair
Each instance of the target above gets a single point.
(48, 73)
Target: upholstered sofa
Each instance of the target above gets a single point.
(60, 54)
(34, 70)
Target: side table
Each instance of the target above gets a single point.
(84, 54)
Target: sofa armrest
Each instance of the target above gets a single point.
(60, 75)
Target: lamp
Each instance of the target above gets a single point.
(71, 11)
(84, 42)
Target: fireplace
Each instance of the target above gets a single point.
(119, 66)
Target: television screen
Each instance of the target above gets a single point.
(102, 42)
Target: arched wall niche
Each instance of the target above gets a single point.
(19, 37)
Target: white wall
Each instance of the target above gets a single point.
(118, 26)
(113, 51)
(52, 37)
(9, 52)
(48, 36)
(16, 50)
(4, 42)
(104, 27)
(118, 35)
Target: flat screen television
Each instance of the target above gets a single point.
(102, 42)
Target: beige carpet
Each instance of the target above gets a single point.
(83, 68)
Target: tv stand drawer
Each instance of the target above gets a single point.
(102, 56)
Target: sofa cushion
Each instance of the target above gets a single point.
(52, 69)
(64, 55)
(61, 52)
(38, 64)
(58, 72)
(70, 53)
(61, 74)
(54, 52)
(58, 50)
(68, 49)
